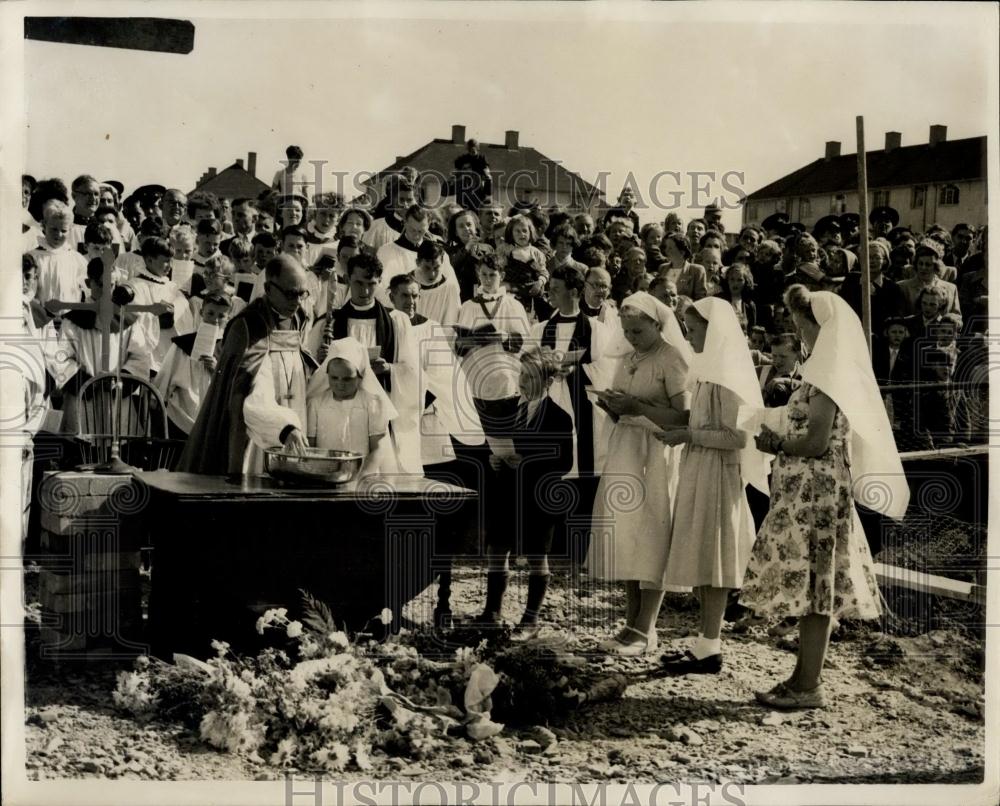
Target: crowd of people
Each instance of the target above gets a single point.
(669, 364)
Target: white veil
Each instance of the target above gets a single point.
(670, 329)
(725, 361)
(840, 367)
(354, 353)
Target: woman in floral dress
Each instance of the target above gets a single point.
(811, 558)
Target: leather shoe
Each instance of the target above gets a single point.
(687, 663)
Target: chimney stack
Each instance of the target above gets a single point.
(458, 134)
(252, 163)
(239, 163)
(832, 149)
(211, 172)
(510, 140)
(938, 134)
(893, 140)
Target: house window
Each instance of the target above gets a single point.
(838, 204)
(880, 198)
(917, 200)
(805, 209)
(948, 195)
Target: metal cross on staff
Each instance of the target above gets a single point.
(105, 309)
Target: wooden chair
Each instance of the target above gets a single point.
(139, 418)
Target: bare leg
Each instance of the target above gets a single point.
(814, 639)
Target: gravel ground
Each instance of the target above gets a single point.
(890, 700)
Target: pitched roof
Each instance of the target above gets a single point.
(232, 183)
(949, 161)
(507, 166)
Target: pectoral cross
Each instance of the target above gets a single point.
(104, 309)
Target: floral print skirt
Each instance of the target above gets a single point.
(811, 554)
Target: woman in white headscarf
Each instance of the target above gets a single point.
(631, 521)
(811, 558)
(712, 529)
(347, 408)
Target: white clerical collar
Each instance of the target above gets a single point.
(44, 244)
(367, 307)
(328, 235)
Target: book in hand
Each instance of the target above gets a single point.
(484, 334)
(244, 282)
(205, 340)
(374, 353)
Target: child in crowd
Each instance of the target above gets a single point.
(711, 260)
(758, 339)
(525, 271)
(936, 359)
(208, 236)
(75, 357)
(265, 247)
(183, 379)
(664, 290)
(152, 285)
(347, 408)
(892, 361)
(542, 454)
(782, 379)
(62, 270)
(218, 279)
(244, 268)
(182, 246)
(491, 330)
(738, 292)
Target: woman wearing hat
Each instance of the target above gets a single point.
(811, 558)
(887, 299)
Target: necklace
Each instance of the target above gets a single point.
(636, 358)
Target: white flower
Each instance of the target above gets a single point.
(261, 624)
(294, 629)
(339, 639)
(385, 616)
(221, 647)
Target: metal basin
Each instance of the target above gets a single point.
(315, 466)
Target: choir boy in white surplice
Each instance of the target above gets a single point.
(491, 330)
(62, 270)
(570, 331)
(440, 297)
(373, 324)
(449, 410)
(400, 196)
(75, 356)
(184, 378)
(153, 285)
(401, 255)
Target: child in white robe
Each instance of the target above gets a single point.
(183, 379)
(62, 270)
(347, 409)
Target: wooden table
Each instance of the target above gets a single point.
(226, 548)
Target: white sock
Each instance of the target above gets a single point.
(704, 647)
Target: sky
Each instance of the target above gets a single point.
(685, 89)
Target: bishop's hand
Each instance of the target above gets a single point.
(296, 442)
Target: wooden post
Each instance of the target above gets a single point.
(866, 279)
